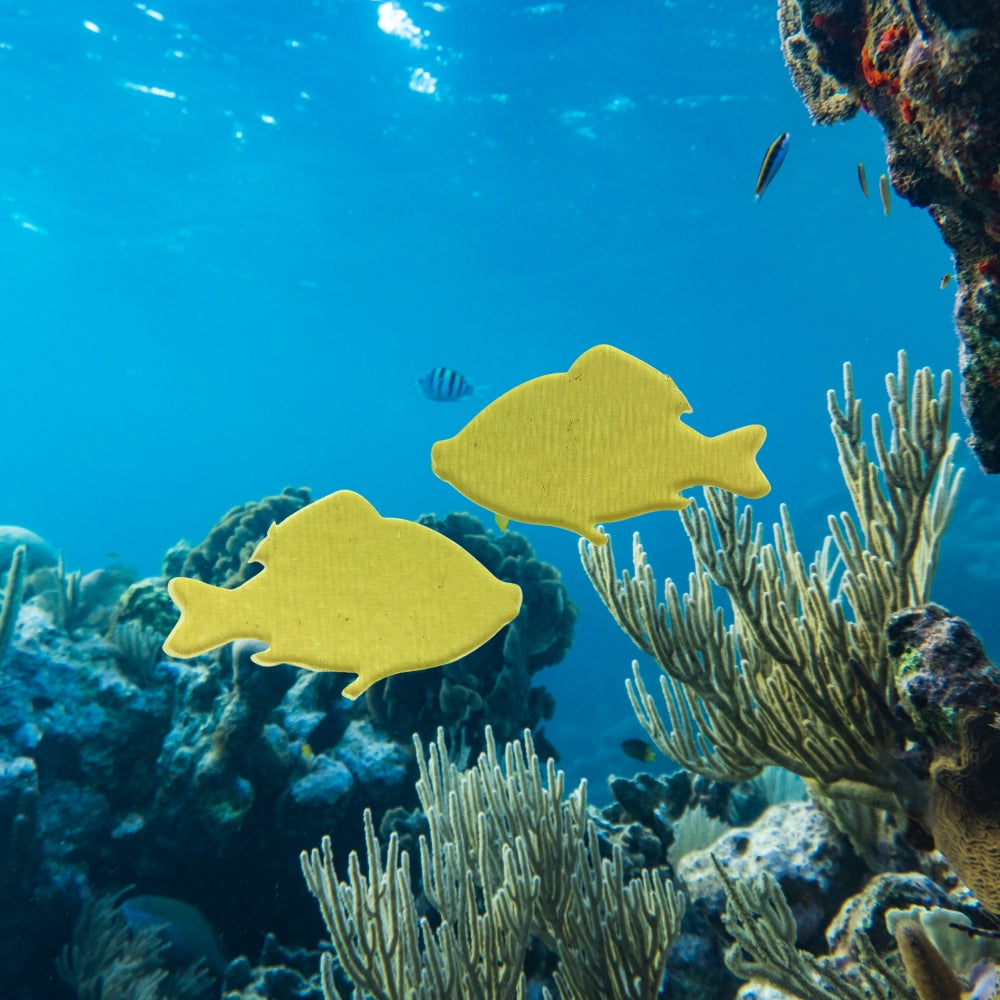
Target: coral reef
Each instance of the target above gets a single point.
(223, 558)
(281, 973)
(119, 766)
(801, 678)
(39, 552)
(110, 960)
(932, 977)
(850, 678)
(877, 951)
(508, 856)
(951, 693)
(927, 71)
(13, 591)
(764, 934)
(808, 858)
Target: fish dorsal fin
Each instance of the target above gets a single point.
(609, 365)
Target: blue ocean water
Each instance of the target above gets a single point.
(234, 236)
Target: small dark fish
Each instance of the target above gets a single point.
(773, 159)
(946, 280)
(639, 750)
(863, 179)
(884, 193)
(189, 936)
(112, 555)
(445, 385)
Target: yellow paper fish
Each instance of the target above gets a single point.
(601, 442)
(348, 590)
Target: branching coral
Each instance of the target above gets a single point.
(108, 960)
(763, 931)
(508, 856)
(12, 597)
(390, 952)
(801, 677)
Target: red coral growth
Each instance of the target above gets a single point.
(906, 106)
(875, 77)
(990, 270)
(891, 37)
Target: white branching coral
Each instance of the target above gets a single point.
(799, 677)
(507, 857)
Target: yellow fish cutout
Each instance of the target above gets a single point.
(601, 442)
(346, 589)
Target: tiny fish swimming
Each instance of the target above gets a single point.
(773, 159)
(639, 750)
(885, 194)
(445, 385)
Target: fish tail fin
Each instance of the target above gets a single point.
(734, 462)
(208, 617)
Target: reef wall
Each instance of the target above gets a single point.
(927, 70)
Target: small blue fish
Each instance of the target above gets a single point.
(445, 385)
(773, 159)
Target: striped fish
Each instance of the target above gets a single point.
(773, 159)
(445, 385)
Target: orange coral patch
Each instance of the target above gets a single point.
(891, 37)
(875, 77)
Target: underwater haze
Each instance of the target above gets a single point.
(236, 235)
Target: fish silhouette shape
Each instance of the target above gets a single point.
(346, 589)
(601, 442)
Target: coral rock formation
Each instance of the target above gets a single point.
(927, 70)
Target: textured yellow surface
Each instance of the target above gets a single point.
(599, 443)
(348, 590)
